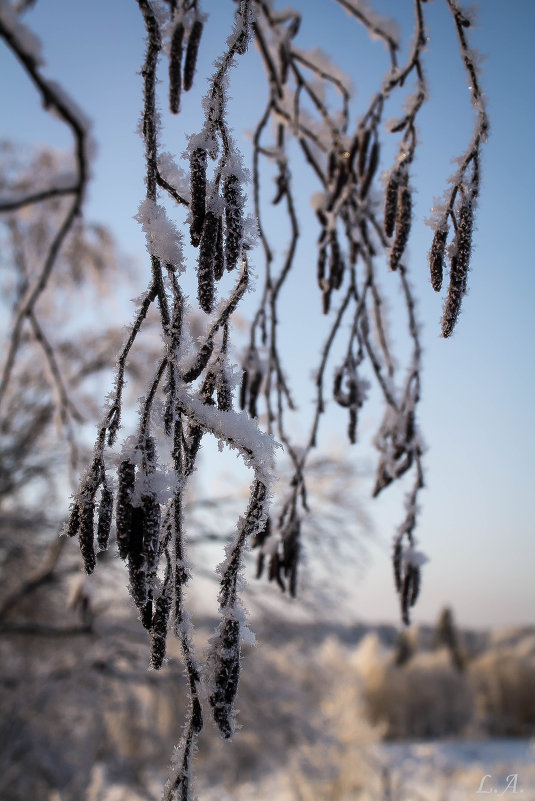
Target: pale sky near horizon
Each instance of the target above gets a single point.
(477, 520)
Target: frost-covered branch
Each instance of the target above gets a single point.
(460, 201)
(189, 395)
(350, 242)
(136, 482)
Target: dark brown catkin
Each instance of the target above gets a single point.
(458, 268)
(326, 300)
(338, 395)
(352, 425)
(123, 514)
(136, 561)
(409, 591)
(275, 570)
(336, 263)
(205, 265)
(363, 142)
(146, 612)
(219, 255)
(198, 193)
(436, 257)
(322, 258)
(159, 630)
(226, 676)
(397, 558)
(233, 220)
(371, 170)
(403, 226)
(391, 203)
(284, 61)
(243, 389)
(224, 394)
(415, 586)
(104, 518)
(464, 238)
(405, 597)
(175, 68)
(254, 389)
(86, 535)
(151, 533)
(191, 54)
(201, 360)
(74, 520)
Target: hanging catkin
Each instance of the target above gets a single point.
(403, 225)
(436, 257)
(233, 220)
(123, 515)
(191, 54)
(104, 518)
(86, 535)
(175, 68)
(458, 267)
(205, 266)
(198, 193)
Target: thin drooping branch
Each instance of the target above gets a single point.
(346, 164)
(139, 482)
(23, 45)
(187, 398)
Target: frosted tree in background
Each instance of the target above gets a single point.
(135, 485)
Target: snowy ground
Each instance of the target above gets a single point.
(456, 771)
(446, 770)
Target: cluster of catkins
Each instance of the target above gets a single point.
(176, 81)
(398, 213)
(459, 255)
(138, 533)
(216, 226)
(349, 177)
(281, 553)
(350, 391)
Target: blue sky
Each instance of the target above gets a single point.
(477, 522)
